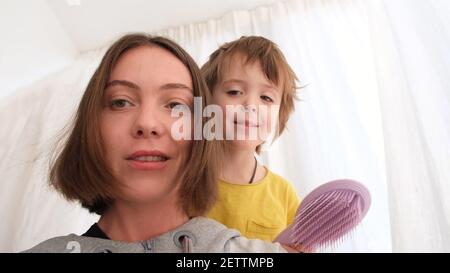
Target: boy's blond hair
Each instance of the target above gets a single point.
(273, 64)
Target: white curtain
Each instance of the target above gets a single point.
(32, 120)
(375, 108)
(411, 49)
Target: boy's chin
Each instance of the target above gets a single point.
(246, 144)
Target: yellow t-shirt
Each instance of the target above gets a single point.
(260, 210)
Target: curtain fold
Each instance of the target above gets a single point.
(410, 46)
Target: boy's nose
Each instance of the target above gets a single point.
(250, 102)
(250, 108)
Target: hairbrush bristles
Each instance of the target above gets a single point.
(326, 215)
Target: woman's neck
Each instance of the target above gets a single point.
(239, 167)
(137, 222)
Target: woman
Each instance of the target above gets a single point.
(122, 162)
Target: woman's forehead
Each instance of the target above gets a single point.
(150, 65)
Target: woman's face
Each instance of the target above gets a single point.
(144, 86)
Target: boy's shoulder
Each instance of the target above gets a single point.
(281, 186)
(277, 179)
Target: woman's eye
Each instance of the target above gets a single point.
(234, 92)
(119, 103)
(174, 104)
(266, 98)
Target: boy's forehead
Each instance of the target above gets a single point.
(237, 63)
(237, 57)
(237, 66)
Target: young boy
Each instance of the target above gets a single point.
(252, 73)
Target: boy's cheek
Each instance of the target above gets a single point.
(220, 98)
(269, 119)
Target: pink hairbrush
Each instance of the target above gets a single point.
(327, 214)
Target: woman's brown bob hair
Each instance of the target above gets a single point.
(79, 171)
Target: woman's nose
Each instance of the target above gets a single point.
(148, 123)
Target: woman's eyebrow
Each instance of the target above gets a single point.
(123, 83)
(131, 85)
(175, 86)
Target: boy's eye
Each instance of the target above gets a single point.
(234, 92)
(266, 98)
(119, 103)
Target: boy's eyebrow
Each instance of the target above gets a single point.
(124, 83)
(269, 86)
(234, 81)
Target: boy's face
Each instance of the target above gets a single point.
(252, 101)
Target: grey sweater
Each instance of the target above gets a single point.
(197, 235)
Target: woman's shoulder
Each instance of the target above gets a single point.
(73, 243)
(68, 243)
(244, 245)
(231, 241)
(206, 236)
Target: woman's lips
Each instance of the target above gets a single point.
(147, 160)
(147, 165)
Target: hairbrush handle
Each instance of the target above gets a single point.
(327, 214)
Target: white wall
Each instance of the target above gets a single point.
(93, 24)
(33, 44)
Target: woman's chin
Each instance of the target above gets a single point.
(145, 194)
